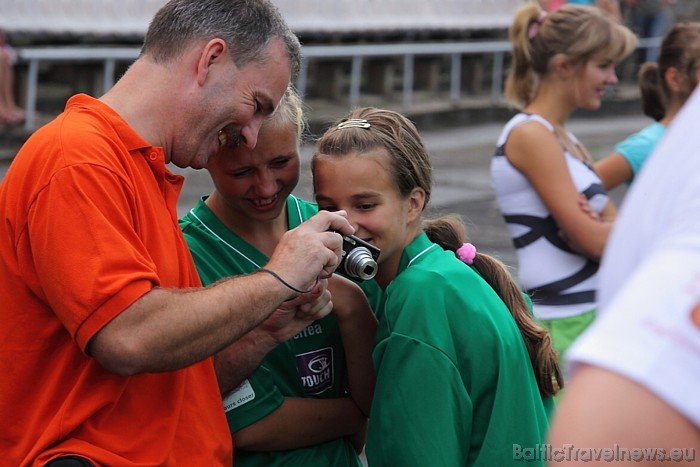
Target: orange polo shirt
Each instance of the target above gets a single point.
(88, 224)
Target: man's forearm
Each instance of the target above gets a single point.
(170, 329)
(167, 330)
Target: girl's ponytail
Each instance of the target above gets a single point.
(449, 232)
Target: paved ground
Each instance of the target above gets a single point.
(462, 184)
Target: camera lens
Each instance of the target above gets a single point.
(360, 263)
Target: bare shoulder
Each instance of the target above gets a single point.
(531, 144)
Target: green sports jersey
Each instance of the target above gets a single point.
(455, 386)
(311, 364)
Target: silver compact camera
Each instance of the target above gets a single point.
(359, 258)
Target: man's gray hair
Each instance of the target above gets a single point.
(247, 26)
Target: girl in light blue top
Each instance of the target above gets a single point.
(665, 86)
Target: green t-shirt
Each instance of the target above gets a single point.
(455, 386)
(311, 364)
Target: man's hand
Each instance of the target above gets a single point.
(294, 315)
(311, 250)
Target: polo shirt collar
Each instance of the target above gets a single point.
(132, 140)
(416, 251)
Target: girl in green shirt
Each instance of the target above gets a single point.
(306, 403)
(461, 367)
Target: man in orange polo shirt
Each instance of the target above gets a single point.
(105, 332)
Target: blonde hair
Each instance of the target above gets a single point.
(290, 112)
(577, 31)
(450, 233)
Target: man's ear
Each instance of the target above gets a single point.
(214, 52)
(416, 203)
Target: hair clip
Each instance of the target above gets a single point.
(354, 123)
(466, 253)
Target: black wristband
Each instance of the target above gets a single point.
(285, 283)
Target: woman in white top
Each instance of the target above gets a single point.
(541, 174)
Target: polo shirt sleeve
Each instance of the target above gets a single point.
(421, 413)
(85, 249)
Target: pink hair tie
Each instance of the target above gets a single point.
(467, 253)
(535, 26)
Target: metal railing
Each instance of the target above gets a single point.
(408, 51)
(108, 56)
(357, 54)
